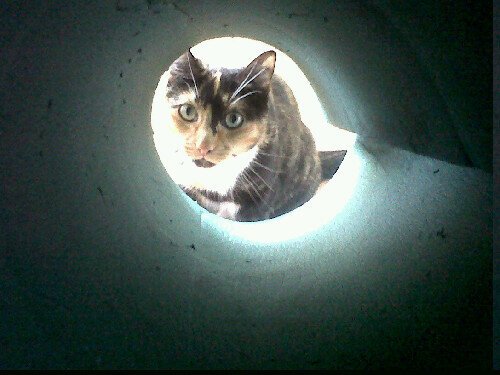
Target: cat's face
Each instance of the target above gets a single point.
(218, 115)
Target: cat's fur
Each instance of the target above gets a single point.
(262, 169)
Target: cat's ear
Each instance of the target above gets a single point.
(260, 70)
(188, 66)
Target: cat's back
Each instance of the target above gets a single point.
(282, 103)
(289, 154)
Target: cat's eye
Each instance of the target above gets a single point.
(188, 112)
(233, 120)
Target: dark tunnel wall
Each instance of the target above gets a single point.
(453, 41)
(104, 265)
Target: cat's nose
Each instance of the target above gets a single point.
(204, 150)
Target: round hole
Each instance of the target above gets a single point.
(331, 197)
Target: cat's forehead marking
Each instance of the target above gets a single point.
(217, 76)
(225, 97)
(208, 114)
(207, 91)
(216, 112)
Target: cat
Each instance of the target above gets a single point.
(239, 147)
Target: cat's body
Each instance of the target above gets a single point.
(283, 174)
(240, 148)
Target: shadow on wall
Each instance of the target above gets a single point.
(406, 100)
(453, 44)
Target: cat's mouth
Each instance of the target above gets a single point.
(203, 163)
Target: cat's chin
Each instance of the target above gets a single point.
(203, 163)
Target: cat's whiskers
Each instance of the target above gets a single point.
(275, 155)
(252, 185)
(244, 84)
(192, 75)
(238, 89)
(243, 176)
(260, 177)
(244, 96)
(190, 88)
(265, 167)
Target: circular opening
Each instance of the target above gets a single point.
(331, 197)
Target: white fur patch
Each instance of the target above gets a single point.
(187, 97)
(228, 210)
(219, 178)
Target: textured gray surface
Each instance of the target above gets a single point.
(98, 267)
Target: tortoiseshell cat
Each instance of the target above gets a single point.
(240, 148)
